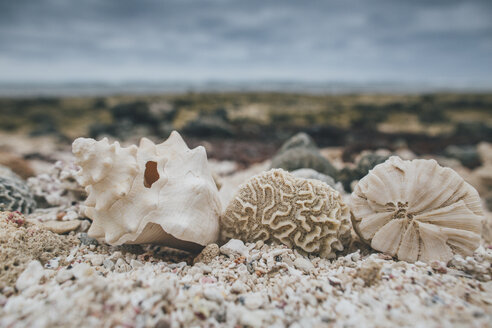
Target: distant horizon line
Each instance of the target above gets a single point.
(141, 86)
(243, 80)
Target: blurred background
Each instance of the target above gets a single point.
(241, 77)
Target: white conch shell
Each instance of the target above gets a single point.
(151, 194)
(417, 210)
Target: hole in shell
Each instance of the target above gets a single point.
(151, 175)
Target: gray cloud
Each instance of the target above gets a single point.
(183, 39)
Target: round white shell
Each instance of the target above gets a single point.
(151, 194)
(417, 210)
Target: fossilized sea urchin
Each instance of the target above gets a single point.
(417, 210)
(301, 213)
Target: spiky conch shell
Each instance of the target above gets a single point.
(161, 194)
(275, 206)
(417, 210)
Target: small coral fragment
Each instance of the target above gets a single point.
(210, 252)
(21, 242)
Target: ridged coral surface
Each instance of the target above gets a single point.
(301, 213)
(417, 210)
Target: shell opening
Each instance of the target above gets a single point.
(151, 175)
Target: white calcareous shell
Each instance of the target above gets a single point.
(417, 210)
(161, 194)
(275, 206)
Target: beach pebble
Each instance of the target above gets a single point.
(108, 264)
(345, 309)
(234, 247)
(303, 264)
(253, 301)
(122, 266)
(61, 227)
(207, 254)
(136, 264)
(86, 240)
(369, 272)
(97, 260)
(213, 294)
(82, 270)
(164, 286)
(206, 269)
(53, 263)
(63, 275)
(163, 323)
(251, 319)
(30, 276)
(238, 287)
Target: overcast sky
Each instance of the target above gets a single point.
(445, 42)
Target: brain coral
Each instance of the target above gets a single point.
(301, 213)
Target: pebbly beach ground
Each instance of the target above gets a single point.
(52, 274)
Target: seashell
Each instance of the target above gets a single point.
(365, 163)
(417, 210)
(467, 156)
(299, 152)
(17, 164)
(6, 172)
(15, 194)
(484, 150)
(161, 194)
(298, 158)
(313, 174)
(275, 206)
(302, 140)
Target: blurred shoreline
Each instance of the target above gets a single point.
(90, 89)
(249, 126)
